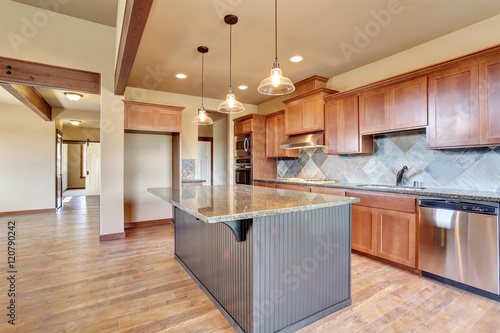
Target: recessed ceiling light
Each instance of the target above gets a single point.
(296, 58)
(181, 76)
(75, 122)
(73, 96)
(242, 87)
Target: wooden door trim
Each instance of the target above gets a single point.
(208, 139)
(134, 22)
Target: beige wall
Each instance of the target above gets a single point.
(74, 160)
(206, 131)
(148, 163)
(28, 150)
(82, 45)
(221, 163)
(461, 42)
(78, 133)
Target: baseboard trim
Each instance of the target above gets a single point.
(109, 237)
(149, 223)
(24, 212)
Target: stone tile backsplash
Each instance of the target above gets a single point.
(188, 168)
(468, 168)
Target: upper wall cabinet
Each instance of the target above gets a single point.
(275, 135)
(454, 107)
(305, 113)
(399, 106)
(243, 127)
(489, 100)
(342, 127)
(150, 117)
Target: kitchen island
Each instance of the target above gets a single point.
(269, 259)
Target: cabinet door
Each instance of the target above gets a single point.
(139, 118)
(364, 229)
(396, 239)
(408, 104)
(280, 137)
(293, 117)
(246, 126)
(238, 128)
(168, 121)
(489, 100)
(453, 107)
(333, 129)
(271, 133)
(374, 111)
(313, 113)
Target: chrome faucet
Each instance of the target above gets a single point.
(399, 176)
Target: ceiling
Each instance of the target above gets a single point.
(57, 99)
(98, 11)
(315, 30)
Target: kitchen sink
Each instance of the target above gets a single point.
(392, 187)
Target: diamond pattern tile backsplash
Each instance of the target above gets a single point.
(468, 168)
(188, 168)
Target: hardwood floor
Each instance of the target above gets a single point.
(68, 281)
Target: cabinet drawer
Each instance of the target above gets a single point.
(294, 187)
(328, 190)
(398, 202)
(270, 185)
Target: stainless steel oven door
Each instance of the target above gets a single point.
(243, 176)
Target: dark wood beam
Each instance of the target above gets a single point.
(47, 76)
(134, 22)
(31, 98)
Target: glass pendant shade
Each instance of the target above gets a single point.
(276, 84)
(230, 105)
(202, 118)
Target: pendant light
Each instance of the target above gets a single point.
(276, 84)
(230, 105)
(202, 118)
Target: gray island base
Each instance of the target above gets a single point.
(270, 273)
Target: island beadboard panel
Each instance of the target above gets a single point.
(470, 168)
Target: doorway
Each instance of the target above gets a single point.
(81, 167)
(205, 159)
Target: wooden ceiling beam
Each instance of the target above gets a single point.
(134, 23)
(13, 71)
(30, 97)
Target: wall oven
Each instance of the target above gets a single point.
(243, 145)
(243, 171)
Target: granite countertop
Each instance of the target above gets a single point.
(424, 191)
(222, 203)
(193, 180)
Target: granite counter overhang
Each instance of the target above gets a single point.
(224, 203)
(428, 192)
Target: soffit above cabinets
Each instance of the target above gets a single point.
(332, 36)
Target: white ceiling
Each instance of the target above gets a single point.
(57, 99)
(313, 29)
(98, 11)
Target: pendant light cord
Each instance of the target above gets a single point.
(230, 54)
(276, 29)
(202, 71)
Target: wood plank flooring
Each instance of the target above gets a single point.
(68, 281)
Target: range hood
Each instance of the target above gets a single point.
(308, 140)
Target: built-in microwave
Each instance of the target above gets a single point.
(243, 145)
(243, 171)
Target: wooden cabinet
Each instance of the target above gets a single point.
(454, 107)
(395, 107)
(328, 190)
(489, 100)
(270, 185)
(408, 104)
(150, 117)
(275, 135)
(384, 225)
(243, 127)
(305, 113)
(294, 187)
(342, 127)
(374, 110)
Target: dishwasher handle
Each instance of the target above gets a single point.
(459, 206)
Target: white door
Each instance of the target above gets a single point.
(205, 161)
(93, 163)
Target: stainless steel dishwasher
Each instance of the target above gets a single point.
(459, 241)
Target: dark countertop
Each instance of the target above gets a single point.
(222, 203)
(193, 180)
(426, 191)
